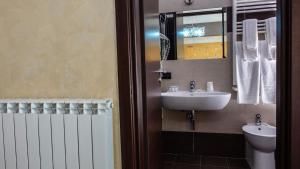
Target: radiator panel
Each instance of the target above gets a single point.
(2, 159)
(56, 134)
(58, 138)
(33, 141)
(21, 141)
(85, 142)
(72, 152)
(9, 141)
(45, 133)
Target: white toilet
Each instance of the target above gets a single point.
(260, 145)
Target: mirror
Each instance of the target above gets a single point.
(192, 35)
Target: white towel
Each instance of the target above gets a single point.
(268, 75)
(250, 40)
(248, 78)
(271, 37)
(271, 31)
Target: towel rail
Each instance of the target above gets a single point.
(259, 32)
(258, 21)
(258, 25)
(258, 29)
(244, 8)
(240, 28)
(261, 27)
(255, 1)
(257, 7)
(257, 11)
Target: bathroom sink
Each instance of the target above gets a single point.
(185, 100)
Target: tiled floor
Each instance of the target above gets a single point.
(180, 161)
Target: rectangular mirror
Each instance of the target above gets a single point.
(197, 34)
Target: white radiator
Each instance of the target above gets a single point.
(56, 134)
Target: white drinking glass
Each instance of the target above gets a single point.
(210, 87)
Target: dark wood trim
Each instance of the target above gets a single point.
(283, 85)
(294, 51)
(295, 117)
(139, 82)
(132, 83)
(128, 105)
(288, 107)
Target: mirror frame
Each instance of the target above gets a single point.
(208, 12)
(222, 10)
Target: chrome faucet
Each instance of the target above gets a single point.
(258, 119)
(192, 85)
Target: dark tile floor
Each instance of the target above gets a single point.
(181, 161)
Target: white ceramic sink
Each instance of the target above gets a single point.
(184, 100)
(261, 137)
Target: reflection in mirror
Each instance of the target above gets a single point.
(198, 34)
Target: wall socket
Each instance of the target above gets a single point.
(166, 76)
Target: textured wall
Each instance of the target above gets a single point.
(59, 49)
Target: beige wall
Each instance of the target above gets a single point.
(59, 49)
(229, 120)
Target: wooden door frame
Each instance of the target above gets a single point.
(283, 85)
(288, 107)
(129, 17)
(129, 28)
